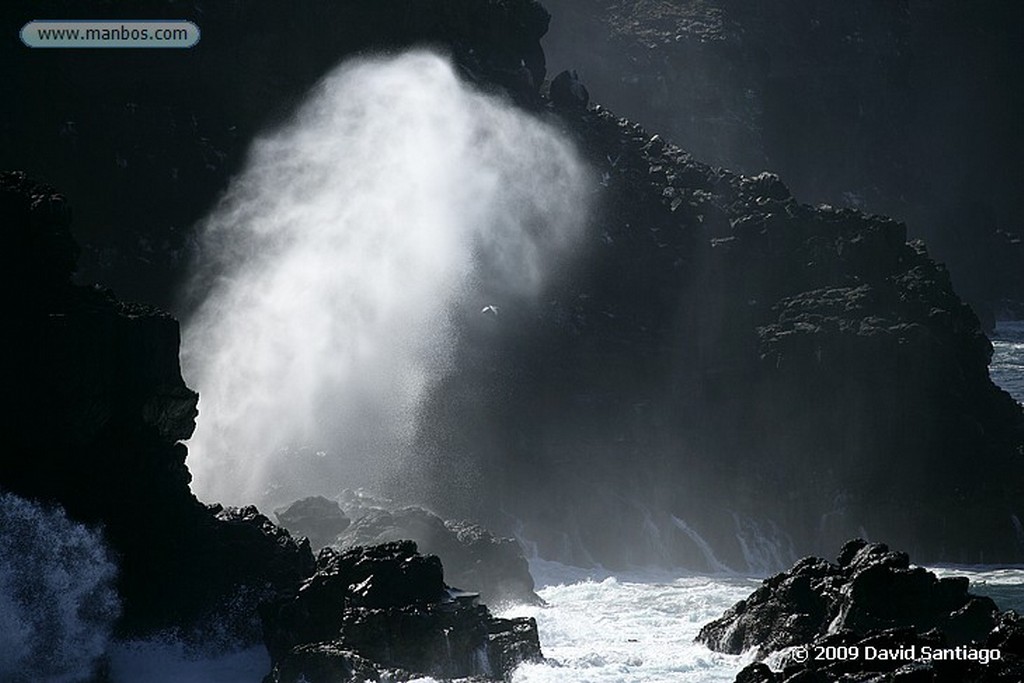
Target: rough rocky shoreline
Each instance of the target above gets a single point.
(722, 362)
(717, 338)
(475, 559)
(101, 409)
(870, 616)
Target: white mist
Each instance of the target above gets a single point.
(328, 274)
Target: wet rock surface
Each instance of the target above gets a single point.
(390, 605)
(102, 406)
(475, 559)
(317, 518)
(869, 616)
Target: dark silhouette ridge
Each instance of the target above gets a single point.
(902, 108)
(723, 363)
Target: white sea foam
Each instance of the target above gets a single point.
(632, 627)
(57, 598)
(328, 274)
(1005, 585)
(1007, 367)
(597, 627)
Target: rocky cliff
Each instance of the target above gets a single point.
(95, 430)
(853, 105)
(101, 408)
(726, 363)
(727, 376)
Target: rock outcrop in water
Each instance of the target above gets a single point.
(101, 407)
(319, 519)
(474, 558)
(726, 373)
(872, 600)
(389, 605)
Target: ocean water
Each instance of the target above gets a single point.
(58, 602)
(633, 628)
(597, 627)
(1007, 367)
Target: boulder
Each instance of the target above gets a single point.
(317, 518)
(474, 558)
(568, 91)
(871, 600)
(871, 588)
(389, 605)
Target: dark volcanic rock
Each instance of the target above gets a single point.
(326, 663)
(872, 599)
(317, 518)
(870, 589)
(725, 374)
(567, 91)
(389, 605)
(854, 104)
(101, 406)
(474, 558)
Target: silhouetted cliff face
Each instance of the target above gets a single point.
(728, 356)
(145, 140)
(100, 409)
(723, 360)
(903, 108)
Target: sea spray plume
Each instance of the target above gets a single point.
(57, 598)
(328, 273)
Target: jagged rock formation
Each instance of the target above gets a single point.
(723, 364)
(389, 605)
(101, 407)
(728, 357)
(853, 105)
(317, 518)
(474, 558)
(567, 91)
(872, 600)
